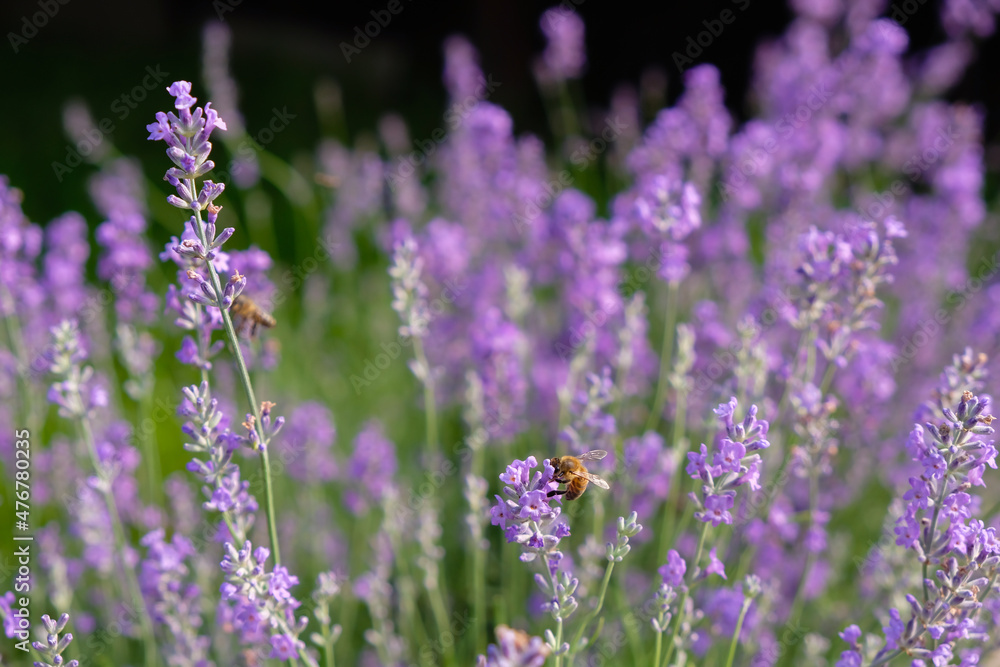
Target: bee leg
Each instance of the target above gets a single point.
(253, 329)
(556, 493)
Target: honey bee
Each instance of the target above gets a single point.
(571, 472)
(244, 311)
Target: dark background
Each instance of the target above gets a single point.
(98, 50)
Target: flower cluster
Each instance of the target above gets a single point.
(733, 464)
(263, 606)
(526, 515)
(188, 148)
(226, 491)
(119, 195)
(173, 600)
(408, 289)
(952, 462)
(965, 551)
(370, 469)
(52, 648)
(565, 55)
(591, 425)
(75, 392)
(539, 279)
(514, 648)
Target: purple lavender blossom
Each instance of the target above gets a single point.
(174, 601)
(6, 614)
(966, 551)
(188, 147)
(65, 263)
(650, 468)
(216, 38)
(734, 464)
(307, 444)
(52, 648)
(118, 194)
(526, 515)
(565, 55)
(514, 648)
(263, 601)
(673, 571)
(462, 74)
(223, 487)
(368, 473)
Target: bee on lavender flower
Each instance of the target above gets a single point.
(244, 312)
(571, 472)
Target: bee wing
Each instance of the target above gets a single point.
(593, 455)
(591, 477)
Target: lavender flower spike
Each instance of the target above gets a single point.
(187, 136)
(514, 648)
(51, 651)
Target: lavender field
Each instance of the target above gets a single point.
(657, 385)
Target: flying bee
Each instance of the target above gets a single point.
(244, 311)
(571, 472)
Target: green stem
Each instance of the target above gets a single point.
(934, 520)
(131, 582)
(441, 620)
(666, 357)
(479, 568)
(430, 405)
(559, 620)
(684, 597)
(349, 607)
(884, 660)
(410, 621)
(600, 603)
(567, 110)
(675, 479)
(736, 634)
(244, 377)
(659, 647)
(13, 328)
(797, 601)
(805, 339)
(328, 657)
(150, 453)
